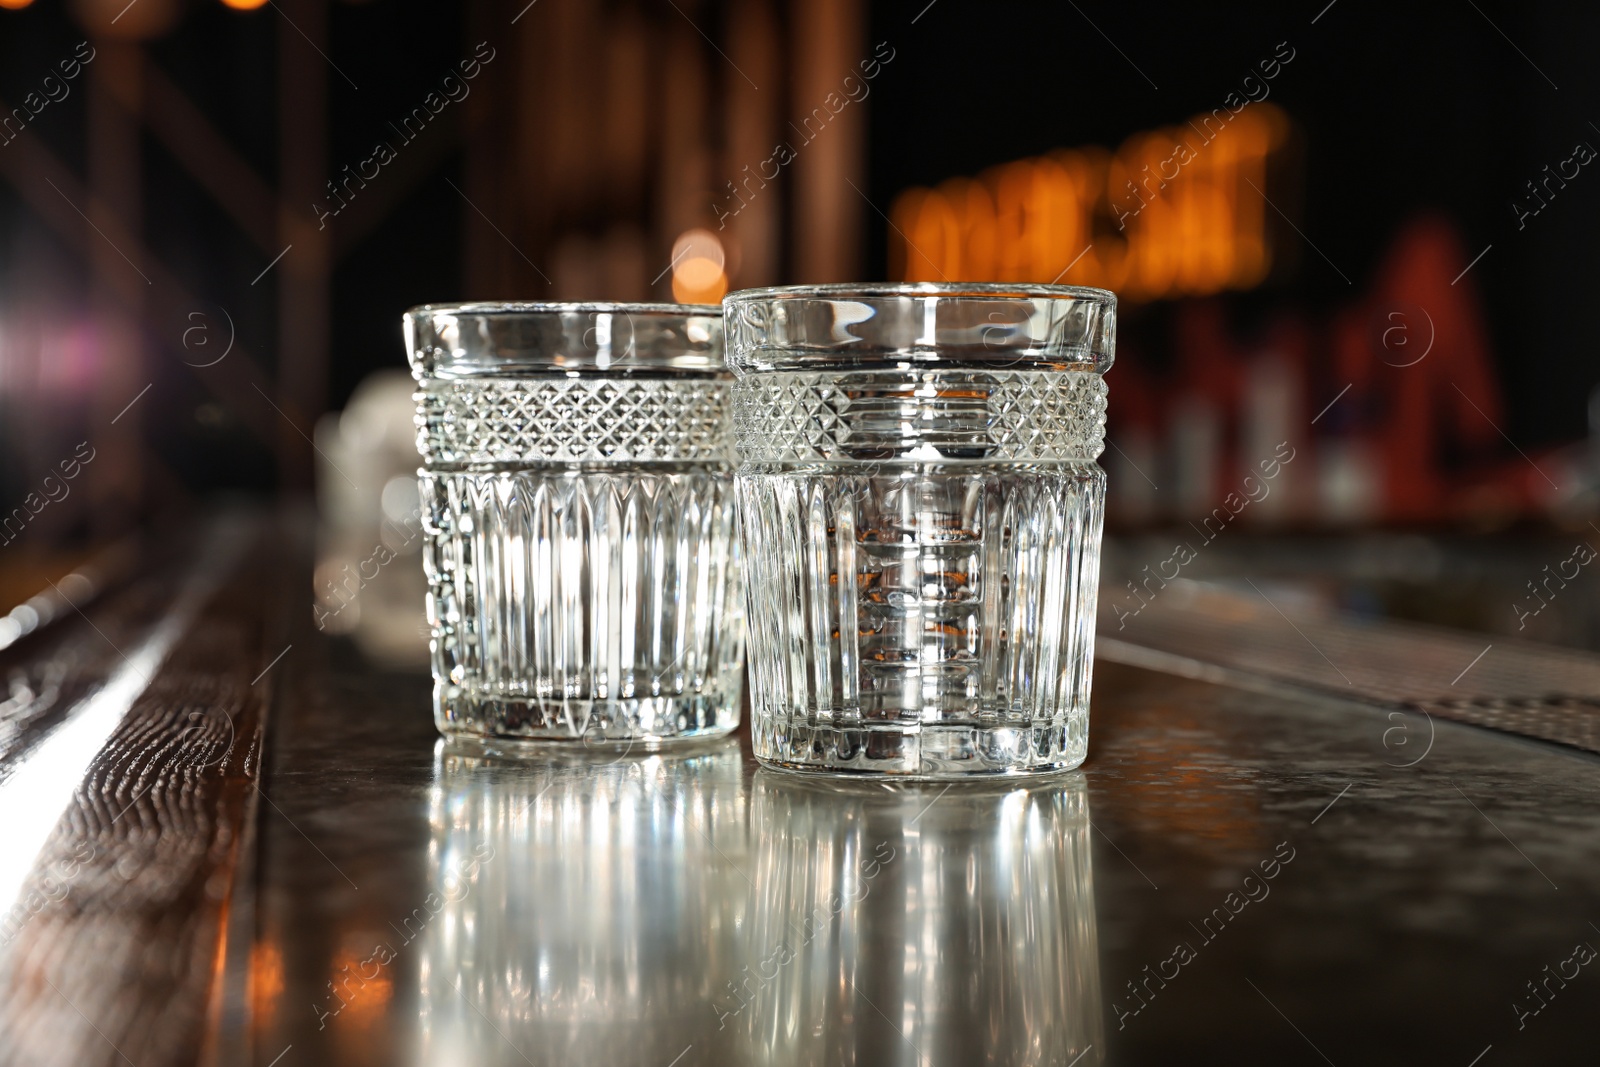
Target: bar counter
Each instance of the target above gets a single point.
(1298, 839)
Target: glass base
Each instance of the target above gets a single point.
(930, 751)
(645, 722)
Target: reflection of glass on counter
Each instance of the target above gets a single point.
(910, 925)
(604, 920)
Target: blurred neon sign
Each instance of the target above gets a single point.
(1179, 211)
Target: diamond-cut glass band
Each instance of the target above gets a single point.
(567, 420)
(1000, 415)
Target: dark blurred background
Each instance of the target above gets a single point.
(1358, 236)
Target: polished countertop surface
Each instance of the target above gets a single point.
(1240, 873)
(267, 856)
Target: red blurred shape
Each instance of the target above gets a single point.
(1416, 351)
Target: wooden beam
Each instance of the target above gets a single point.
(413, 165)
(57, 196)
(208, 157)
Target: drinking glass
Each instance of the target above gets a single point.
(577, 495)
(921, 514)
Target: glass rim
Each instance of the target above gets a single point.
(946, 290)
(977, 326)
(563, 307)
(492, 339)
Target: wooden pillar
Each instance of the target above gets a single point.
(490, 112)
(118, 288)
(303, 275)
(828, 213)
(683, 190)
(625, 151)
(754, 206)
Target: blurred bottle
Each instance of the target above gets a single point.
(1133, 449)
(1594, 437)
(1204, 408)
(1274, 414)
(368, 581)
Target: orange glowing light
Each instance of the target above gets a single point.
(1170, 213)
(266, 978)
(18, 5)
(710, 291)
(698, 262)
(237, 5)
(360, 988)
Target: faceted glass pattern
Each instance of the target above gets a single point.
(993, 415)
(600, 604)
(570, 420)
(922, 522)
(584, 581)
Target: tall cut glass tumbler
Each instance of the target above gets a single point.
(578, 500)
(921, 513)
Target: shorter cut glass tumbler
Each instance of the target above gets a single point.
(921, 514)
(577, 495)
